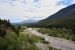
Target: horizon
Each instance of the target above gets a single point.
(19, 10)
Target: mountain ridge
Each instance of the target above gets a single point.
(61, 13)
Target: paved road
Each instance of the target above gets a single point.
(54, 41)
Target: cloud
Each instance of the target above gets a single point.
(73, 2)
(12, 19)
(24, 9)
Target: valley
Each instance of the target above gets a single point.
(57, 32)
(54, 41)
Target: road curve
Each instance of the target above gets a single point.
(54, 41)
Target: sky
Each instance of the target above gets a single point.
(19, 10)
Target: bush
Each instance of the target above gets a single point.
(45, 42)
(51, 48)
(58, 32)
(37, 38)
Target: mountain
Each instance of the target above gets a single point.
(65, 18)
(65, 12)
(30, 21)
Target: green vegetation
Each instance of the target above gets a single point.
(58, 32)
(62, 27)
(22, 28)
(51, 48)
(5, 27)
(4, 24)
(13, 42)
(39, 39)
(60, 24)
(23, 42)
(10, 42)
(12, 37)
(26, 42)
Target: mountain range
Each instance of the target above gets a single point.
(28, 21)
(63, 18)
(65, 12)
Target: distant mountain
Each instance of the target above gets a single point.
(30, 21)
(66, 12)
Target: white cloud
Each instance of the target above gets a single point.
(73, 1)
(25, 9)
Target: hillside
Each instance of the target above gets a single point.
(5, 26)
(66, 12)
(65, 18)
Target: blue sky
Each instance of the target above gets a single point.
(19, 10)
(65, 2)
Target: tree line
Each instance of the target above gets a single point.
(5, 24)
